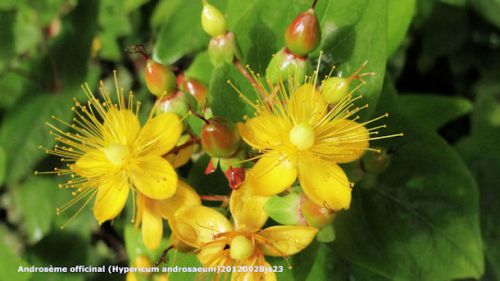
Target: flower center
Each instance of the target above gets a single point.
(117, 153)
(241, 248)
(302, 136)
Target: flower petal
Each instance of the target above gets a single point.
(345, 140)
(247, 209)
(286, 240)
(325, 183)
(271, 175)
(154, 176)
(197, 225)
(152, 226)
(112, 195)
(120, 126)
(160, 134)
(264, 131)
(210, 253)
(306, 105)
(184, 196)
(93, 164)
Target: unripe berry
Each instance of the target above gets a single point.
(194, 87)
(334, 89)
(303, 34)
(316, 216)
(285, 65)
(223, 49)
(179, 103)
(241, 248)
(220, 138)
(213, 21)
(375, 162)
(160, 80)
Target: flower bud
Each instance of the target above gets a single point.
(179, 103)
(316, 216)
(285, 65)
(334, 89)
(376, 162)
(220, 138)
(160, 80)
(303, 34)
(213, 21)
(285, 209)
(194, 87)
(223, 49)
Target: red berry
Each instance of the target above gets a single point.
(194, 87)
(303, 34)
(220, 138)
(160, 80)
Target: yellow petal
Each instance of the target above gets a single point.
(141, 205)
(196, 225)
(154, 176)
(325, 183)
(120, 126)
(306, 105)
(247, 209)
(264, 131)
(180, 158)
(345, 140)
(160, 134)
(112, 195)
(93, 164)
(210, 253)
(184, 196)
(152, 226)
(271, 175)
(286, 240)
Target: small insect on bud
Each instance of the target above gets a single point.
(220, 138)
(334, 89)
(160, 80)
(223, 49)
(194, 87)
(303, 35)
(179, 103)
(213, 21)
(376, 162)
(285, 65)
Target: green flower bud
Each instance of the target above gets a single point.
(375, 162)
(220, 138)
(213, 21)
(223, 49)
(160, 80)
(303, 35)
(179, 103)
(316, 216)
(334, 89)
(285, 209)
(285, 65)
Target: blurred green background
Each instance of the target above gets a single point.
(432, 215)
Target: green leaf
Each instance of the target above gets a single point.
(355, 31)
(7, 19)
(37, 215)
(181, 33)
(23, 131)
(10, 261)
(3, 165)
(422, 210)
(433, 111)
(489, 9)
(399, 16)
(481, 152)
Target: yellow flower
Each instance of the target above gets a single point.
(218, 242)
(150, 212)
(301, 136)
(109, 155)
